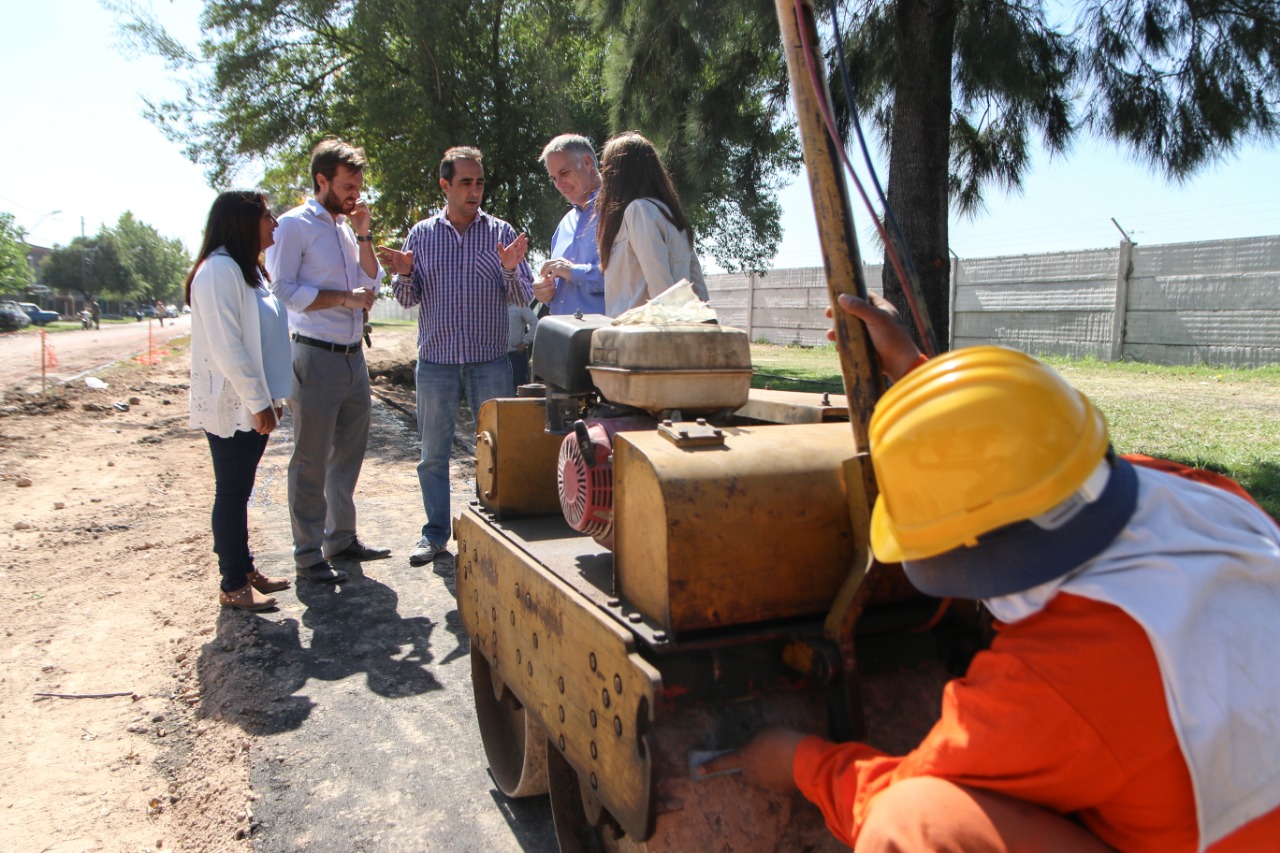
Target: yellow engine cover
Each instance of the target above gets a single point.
(752, 529)
(516, 458)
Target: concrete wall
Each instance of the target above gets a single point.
(388, 309)
(1215, 302)
(1060, 303)
(782, 306)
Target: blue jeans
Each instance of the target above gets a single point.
(235, 466)
(440, 390)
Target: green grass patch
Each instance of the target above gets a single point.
(1268, 374)
(61, 326)
(791, 368)
(1220, 418)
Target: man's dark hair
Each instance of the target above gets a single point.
(329, 155)
(458, 152)
(235, 224)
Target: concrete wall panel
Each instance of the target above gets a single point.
(1170, 354)
(1216, 301)
(1058, 296)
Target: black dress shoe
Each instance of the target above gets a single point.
(322, 572)
(357, 550)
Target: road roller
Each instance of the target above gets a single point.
(662, 560)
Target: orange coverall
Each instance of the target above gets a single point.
(1066, 710)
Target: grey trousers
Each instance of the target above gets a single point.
(330, 403)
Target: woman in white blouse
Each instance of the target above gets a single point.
(240, 370)
(645, 240)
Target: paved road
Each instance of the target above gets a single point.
(359, 696)
(73, 353)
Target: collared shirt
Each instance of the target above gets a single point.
(313, 252)
(575, 241)
(461, 288)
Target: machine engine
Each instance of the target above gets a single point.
(584, 476)
(603, 379)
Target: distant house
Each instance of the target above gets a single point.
(35, 257)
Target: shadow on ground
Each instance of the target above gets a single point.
(252, 669)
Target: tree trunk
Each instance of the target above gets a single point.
(919, 154)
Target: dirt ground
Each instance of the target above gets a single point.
(111, 739)
(108, 586)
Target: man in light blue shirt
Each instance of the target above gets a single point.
(324, 270)
(572, 280)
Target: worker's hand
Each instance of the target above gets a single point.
(544, 289)
(400, 263)
(558, 268)
(365, 297)
(513, 253)
(765, 761)
(893, 345)
(265, 421)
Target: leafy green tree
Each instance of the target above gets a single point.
(404, 79)
(159, 265)
(15, 272)
(961, 92)
(407, 80)
(91, 266)
(706, 82)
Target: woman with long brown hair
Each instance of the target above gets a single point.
(644, 237)
(240, 369)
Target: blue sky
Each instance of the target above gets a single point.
(73, 103)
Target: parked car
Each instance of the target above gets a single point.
(170, 311)
(38, 315)
(12, 317)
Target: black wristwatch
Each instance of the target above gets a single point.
(367, 238)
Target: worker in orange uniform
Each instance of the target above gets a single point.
(1131, 697)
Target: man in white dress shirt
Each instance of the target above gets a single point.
(324, 270)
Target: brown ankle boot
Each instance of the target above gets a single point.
(262, 583)
(246, 598)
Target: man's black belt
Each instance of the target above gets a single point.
(319, 344)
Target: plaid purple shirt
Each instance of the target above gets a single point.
(461, 288)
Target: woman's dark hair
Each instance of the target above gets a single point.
(235, 224)
(630, 169)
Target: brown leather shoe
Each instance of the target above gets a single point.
(262, 583)
(246, 598)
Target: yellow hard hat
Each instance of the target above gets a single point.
(974, 440)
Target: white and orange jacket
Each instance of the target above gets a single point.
(1093, 700)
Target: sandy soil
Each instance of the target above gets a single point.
(108, 586)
